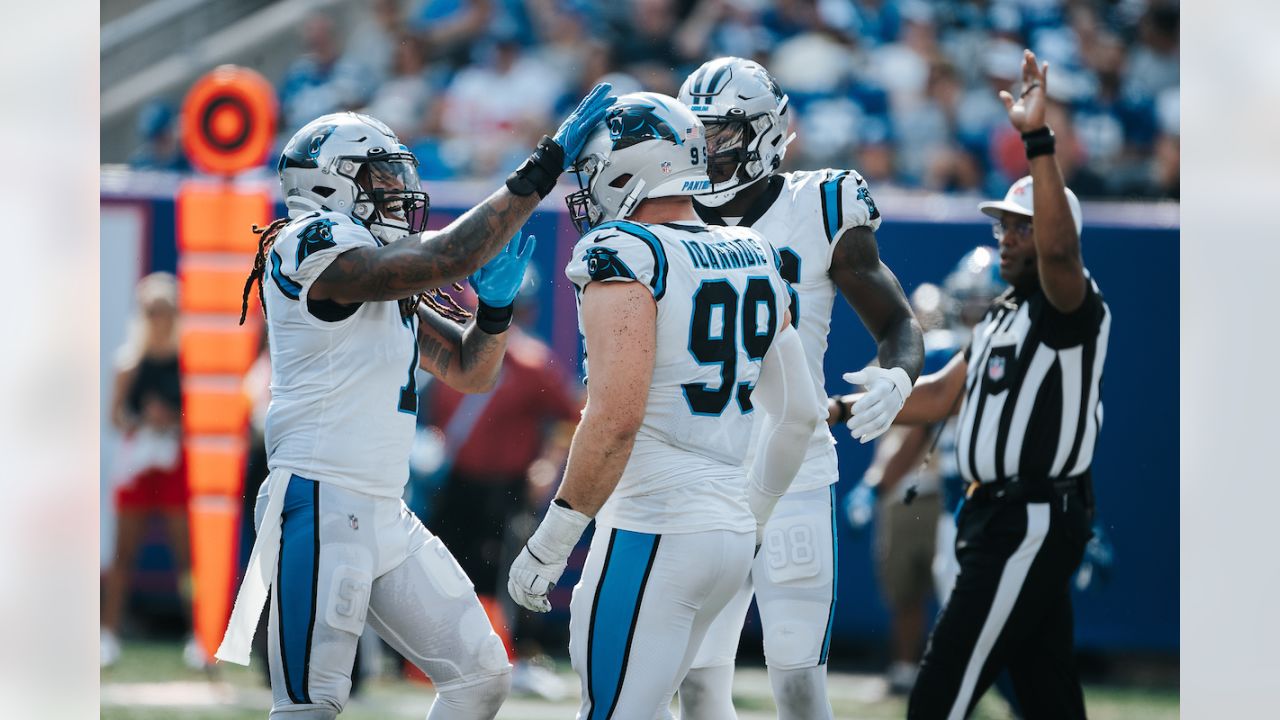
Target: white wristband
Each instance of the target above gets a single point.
(901, 380)
(557, 534)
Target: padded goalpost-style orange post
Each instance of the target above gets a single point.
(228, 122)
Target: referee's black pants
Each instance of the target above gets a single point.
(1011, 608)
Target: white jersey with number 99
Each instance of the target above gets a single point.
(720, 303)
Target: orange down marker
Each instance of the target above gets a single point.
(228, 121)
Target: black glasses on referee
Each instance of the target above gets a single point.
(1021, 228)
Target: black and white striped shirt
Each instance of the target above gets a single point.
(1032, 407)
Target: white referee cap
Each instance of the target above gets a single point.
(1019, 201)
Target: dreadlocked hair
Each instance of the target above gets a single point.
(438, 300)
(266, 238)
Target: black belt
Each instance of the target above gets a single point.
(1034, 490)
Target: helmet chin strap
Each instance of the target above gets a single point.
(630, 201)
(753, 150)
(385, 231)
(724, 196)
(782, 151)
(298, 205)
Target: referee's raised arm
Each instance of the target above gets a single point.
(1057, 242)
(1029, 420)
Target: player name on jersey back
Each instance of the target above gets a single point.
(729, 254)
(720, 301)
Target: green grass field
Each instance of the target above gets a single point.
(150, 683)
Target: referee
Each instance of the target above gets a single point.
(1029, 419)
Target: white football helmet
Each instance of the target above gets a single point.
(354, 164)
(648, 146)
(746, 116)
(974, 283)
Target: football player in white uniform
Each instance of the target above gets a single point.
(681, 323)
(346, 284)
(822, 224)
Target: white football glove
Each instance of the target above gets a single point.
(886, 392)
(544, 557)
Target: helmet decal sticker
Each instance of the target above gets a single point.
(632, 123)
(295, 155)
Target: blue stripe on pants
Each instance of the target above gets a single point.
(296, 584)
(835, 579)
(613, 616)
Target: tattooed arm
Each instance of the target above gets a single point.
(431, 260)
(467, 359)
(417, 264)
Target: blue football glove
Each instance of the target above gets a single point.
(1099, 557)
(574, 130)
(498, 282)
(860, 507)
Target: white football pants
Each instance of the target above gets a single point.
(641, 610)
(347, 558)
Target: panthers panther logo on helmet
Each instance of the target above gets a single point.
(648, 146)
(354, 164)
(633, 123)
(302, 150)
(747, 119)
(766, 79)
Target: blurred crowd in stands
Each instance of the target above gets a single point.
(902, 90)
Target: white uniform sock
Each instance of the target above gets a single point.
(801, 694)
(306, 713)
(477, 701)
(707, 694)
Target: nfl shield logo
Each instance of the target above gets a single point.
(995, 369)
(666, 168)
